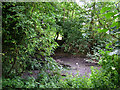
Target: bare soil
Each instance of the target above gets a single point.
(77, 64)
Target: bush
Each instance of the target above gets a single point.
(26, 40)
(111, 65)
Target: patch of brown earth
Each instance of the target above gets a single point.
(77, 65)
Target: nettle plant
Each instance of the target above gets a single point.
(28, 37)
(110, 65)
(106, 29)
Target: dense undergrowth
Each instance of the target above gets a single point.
(30, 37)
(106, 77)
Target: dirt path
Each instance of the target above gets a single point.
(77, 65)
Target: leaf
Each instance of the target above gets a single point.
(104, 9)
(102, 30)
(109, 15)
(113, 24)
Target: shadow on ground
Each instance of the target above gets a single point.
(77, 64)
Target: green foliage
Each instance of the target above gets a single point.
(29, 32)
(102, 79)
(44, 80)
(18, 82)
(28, 36)
(97, 79)
(111, 64)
